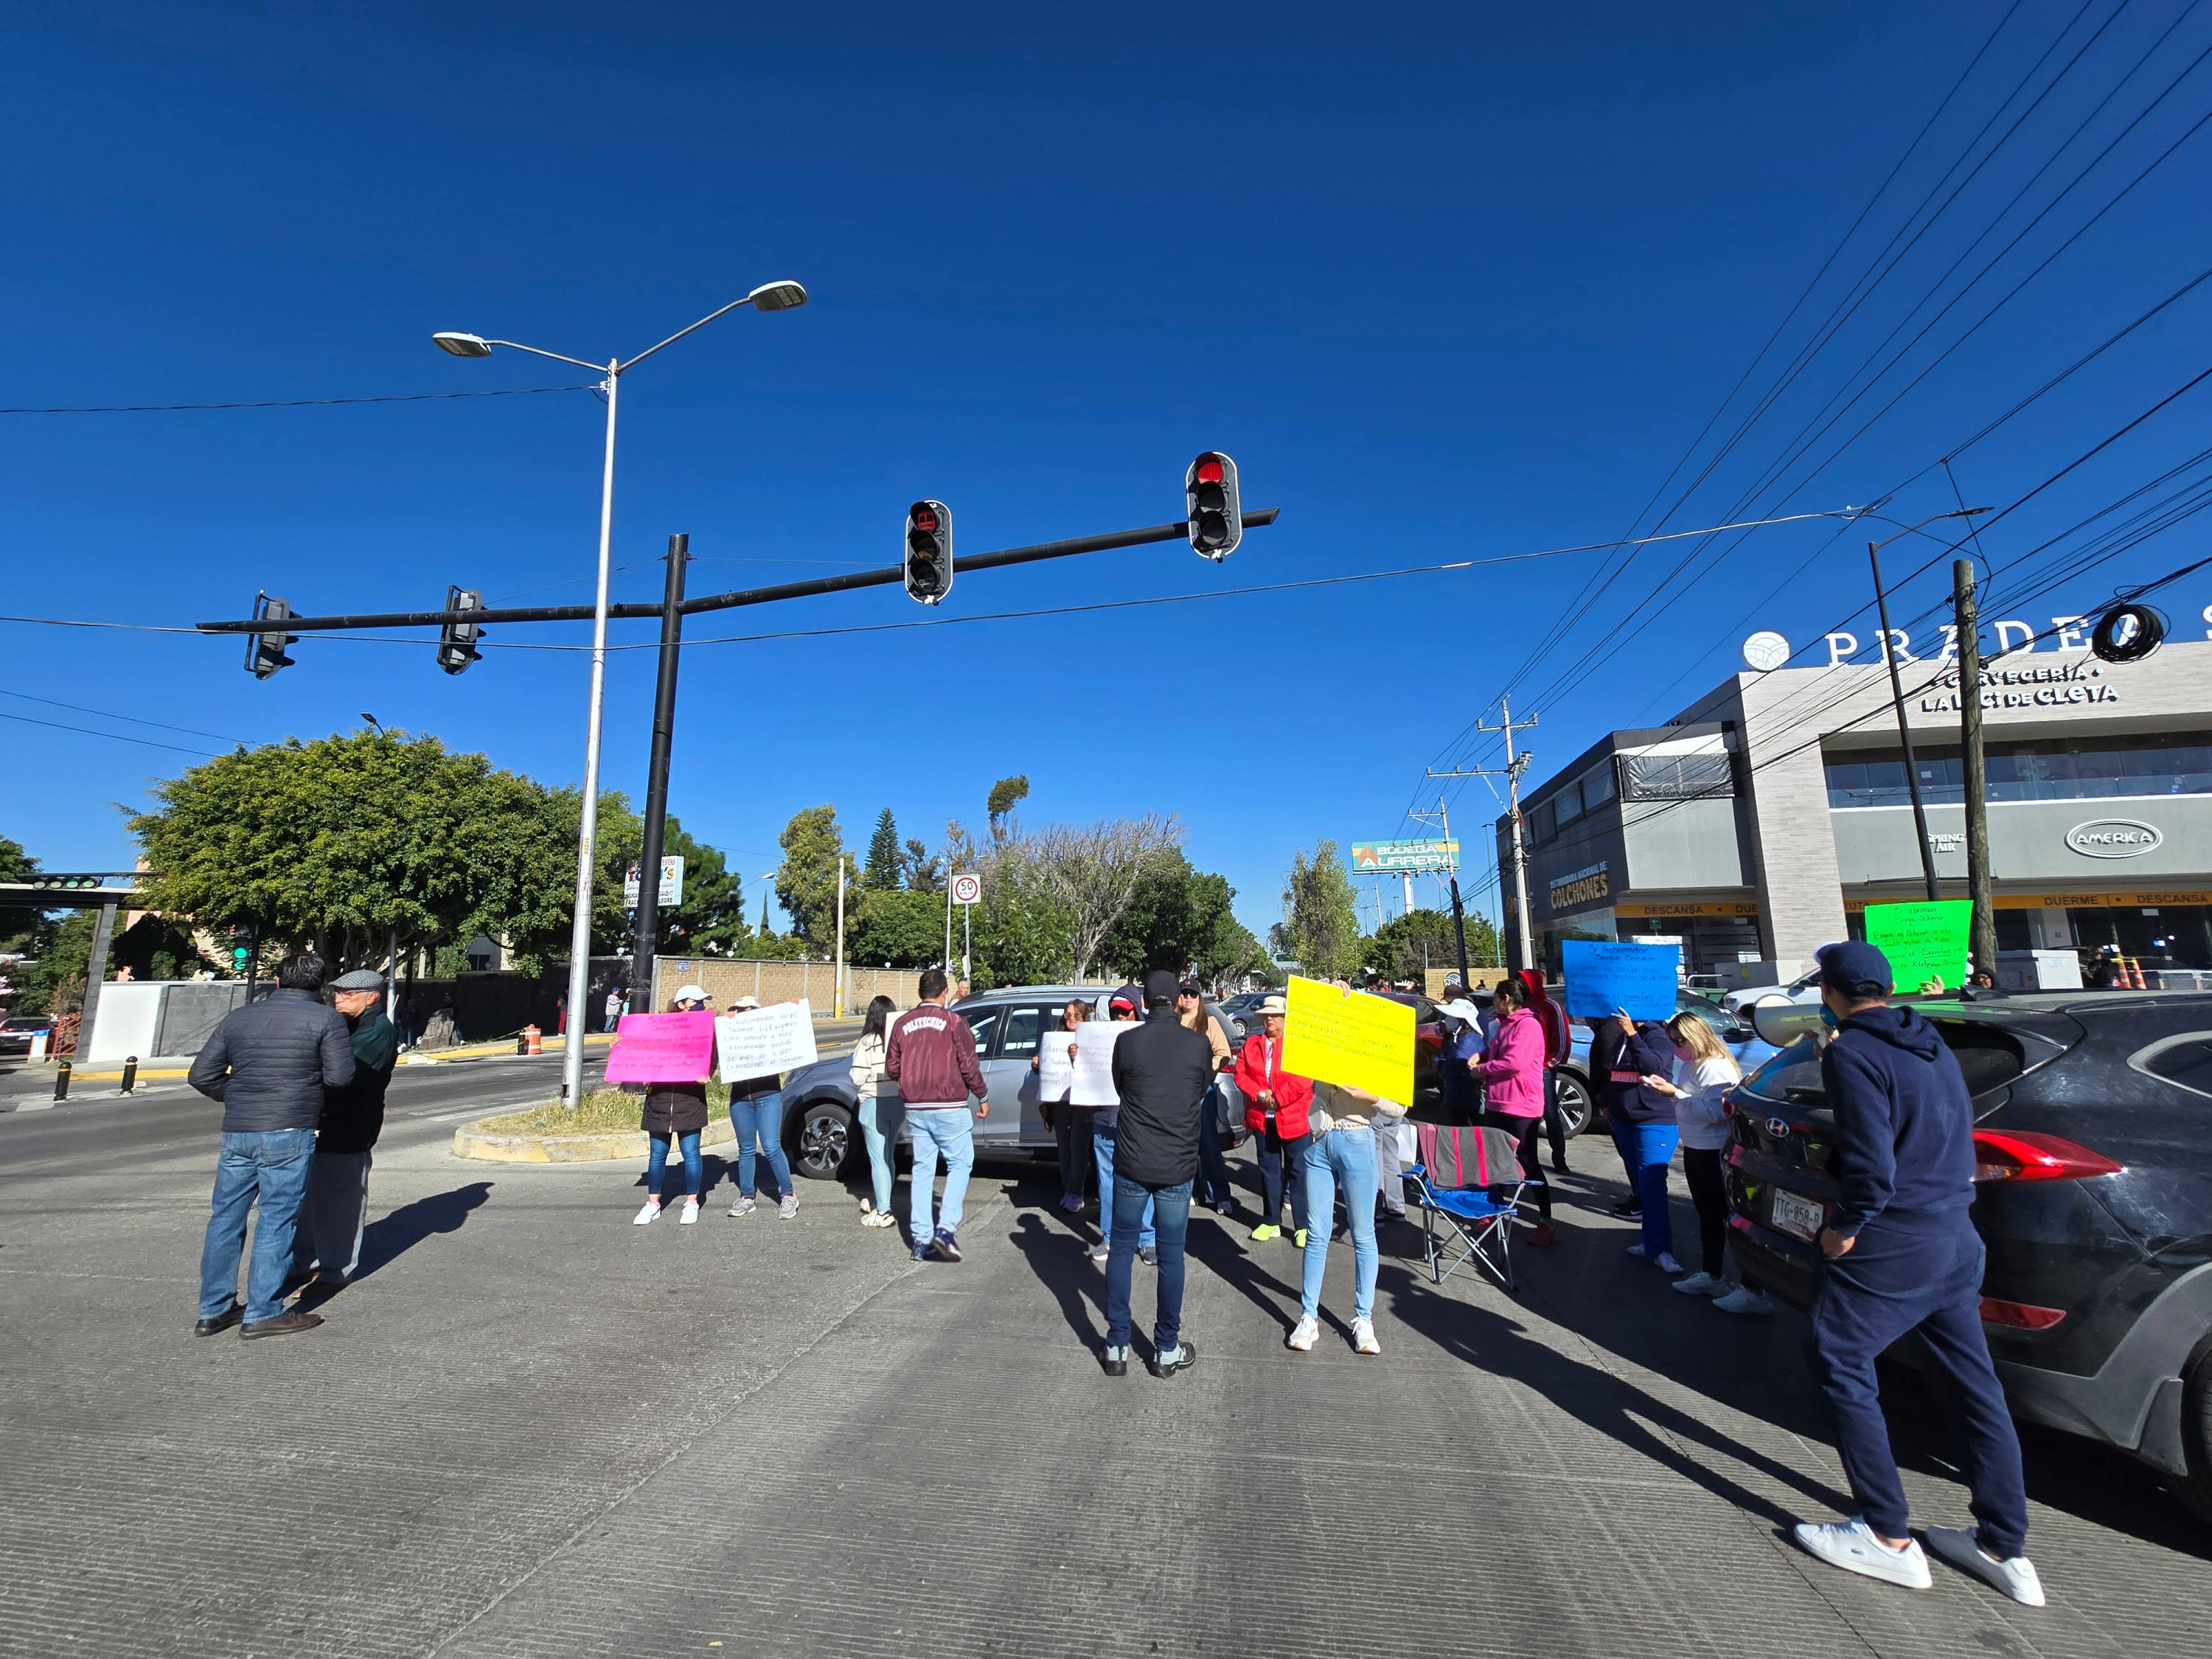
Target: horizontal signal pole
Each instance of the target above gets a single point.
(888, 575)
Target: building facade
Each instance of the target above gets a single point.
(1757, 825)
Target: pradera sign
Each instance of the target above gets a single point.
(1767, 650)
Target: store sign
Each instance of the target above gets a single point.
(1767, 650)
(1404, 857)
(2115, 838)
(1584, 886)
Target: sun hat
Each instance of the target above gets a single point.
(1272, 1006)
(745, 1002)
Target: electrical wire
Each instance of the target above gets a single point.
(298, 403)
(116, 736)
(79, 708)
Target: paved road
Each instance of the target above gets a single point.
(531, 1428)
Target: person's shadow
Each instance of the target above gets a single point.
(391, 1236)
(1061, 1262)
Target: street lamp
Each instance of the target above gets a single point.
(768, 296)
(1897, 690)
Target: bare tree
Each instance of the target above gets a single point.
(1093, 871)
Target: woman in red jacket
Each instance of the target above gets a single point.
(1275, 1111)
(1511, 1072)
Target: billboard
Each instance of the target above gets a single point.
(1369, 856)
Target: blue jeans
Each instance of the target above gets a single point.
(1102, 1154)
(1134, 1202)
(1648, 1148)
(1346, 1156)
(272, 1165)
(656, 1160)
(879, 1126)
(951, 1130)
(762, 1118)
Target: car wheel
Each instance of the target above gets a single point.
(822, 1142)
(1576, 1107)
(2195, 1488)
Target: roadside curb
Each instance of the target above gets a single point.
(613, 1145)
(489, 1050)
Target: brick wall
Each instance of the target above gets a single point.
(779, 982)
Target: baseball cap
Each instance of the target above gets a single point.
(691, 993)
(1160, 985)
(1851, 964)
(1189, 988)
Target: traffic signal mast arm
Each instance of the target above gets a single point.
(889, 576)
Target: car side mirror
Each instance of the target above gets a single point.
(1781, 1022)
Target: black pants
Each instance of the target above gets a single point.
(1524, 1131)
(1212, 1185)
(1274, 1153)
(1070, 1131)
(1703, 1171)
(1555, 1126)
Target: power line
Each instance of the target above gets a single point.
(116, 736)
(134, 720)
(298, 403)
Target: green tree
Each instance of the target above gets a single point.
(1021, 931)
(886, 861)
(52, 981)
(711, 921)
(1005, 794)
(21, 927)
(924, 871)
(1404, 946)
(806, 881)
(1320, 918)
(897, 927)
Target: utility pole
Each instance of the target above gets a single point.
(1904, 727)
(1983, 937)
(647, 937)
(1516, 764)
(839, 991)
(1451, 870)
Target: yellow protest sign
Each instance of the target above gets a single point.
(1349, 1037)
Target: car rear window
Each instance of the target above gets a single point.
(2185, 1060)
(1989, 1058)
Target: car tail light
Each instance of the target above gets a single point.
(2019, 1315)
(2021, 1155)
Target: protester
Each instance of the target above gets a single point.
(876, 1099)
(1559, 1038)
(932, 1058)
(1644, 1129)
(335, 1213)
(1981, 979)
(1463, 1038)
(616, 998)
(756, 1115)
(1212, 1189)
(1901, 1255)
(1511, 1073)
(1342, 1152)
(675, 1111)
(1275, 1107)
(1163, 1075)
(1702, 1121)
(269, 1064)
(1071, 1124)
(1105, 1123)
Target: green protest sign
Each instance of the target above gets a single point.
(1922, 941)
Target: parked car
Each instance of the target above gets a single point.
(818, 1127)
(2094, 1199)
(16, 1032)
(1577, 1095)
(1804, 988)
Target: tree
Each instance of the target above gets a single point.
(1321, 919)
(806, 882)
(1403, 947)
(711, 919)
(886, 861)
(1092, 872)
(924, 872)
(1005, 794)
(1020, 931)
(20, 926)
(897, 927)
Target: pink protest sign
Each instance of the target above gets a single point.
(662, 1049)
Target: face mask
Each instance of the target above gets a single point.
(1828, 1017)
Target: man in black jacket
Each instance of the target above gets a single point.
(1903, 1255)
(335, 1212)
(268, 1063)
(1162, 1071)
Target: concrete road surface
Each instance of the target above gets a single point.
(529, 1428)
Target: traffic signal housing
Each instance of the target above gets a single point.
(929, 552)
(456, 639)
(265, 653)
(1209, 492)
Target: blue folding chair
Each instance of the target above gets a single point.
(1470, 1180)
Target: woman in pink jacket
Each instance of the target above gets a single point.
(1511, 1072)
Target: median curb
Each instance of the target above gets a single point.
(606, 1146)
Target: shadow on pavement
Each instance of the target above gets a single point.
(1061, 1262)
(389, 1237)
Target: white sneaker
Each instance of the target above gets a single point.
(1363, 1336)
(1637, 1249)
(1304, 1335)
(651, 1209)
(1852, 1546)
(690, 1212)
(879, 1218)
(1666, 1263)
(789, 1207)
(1962, 1549)
(1702, 1284)
(1744, 1300)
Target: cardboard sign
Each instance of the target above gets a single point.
(762, 1042)
(1056, 1065)
(1091, 1082)
(1922, 941)
(662, 1049)
(1604, 974)
(1349, 1037)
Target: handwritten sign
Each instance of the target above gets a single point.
(1349, 1037)
(1922, 941)
(1603, 976)
(662, 1049)
(762, 1041)
(1055, 1065)
(1091, 1081)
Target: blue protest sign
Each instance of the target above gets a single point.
(1602, 976)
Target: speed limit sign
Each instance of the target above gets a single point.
(967, 889)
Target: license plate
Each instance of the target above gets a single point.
(1793, 1214)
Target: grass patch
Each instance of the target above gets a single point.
(603, 1111)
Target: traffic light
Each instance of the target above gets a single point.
(457, 639)
(241, 948)
(928, 551)
(1209, 492)
(265, 653)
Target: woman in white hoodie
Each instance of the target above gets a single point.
(880, 1110)
(1704, 1126)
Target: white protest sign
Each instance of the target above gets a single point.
(1093, 1081)
(1055, 1067)
(757, 1042)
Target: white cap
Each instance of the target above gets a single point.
(692, 993)
(746, 1002)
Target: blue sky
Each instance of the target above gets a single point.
(1450, 282)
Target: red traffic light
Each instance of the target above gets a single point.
(925, 519)
(1209, 469)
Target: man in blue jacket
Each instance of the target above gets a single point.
(1902, 1255)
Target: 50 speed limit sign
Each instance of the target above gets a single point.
(967, 888)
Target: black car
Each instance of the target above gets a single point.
(2094, 1169)
(16, 1032)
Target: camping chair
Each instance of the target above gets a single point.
(1470, 1178)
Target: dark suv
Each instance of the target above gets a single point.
(2093, 1135)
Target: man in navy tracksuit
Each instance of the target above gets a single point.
(1903, 1255)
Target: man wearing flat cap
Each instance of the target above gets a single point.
(336, 1209)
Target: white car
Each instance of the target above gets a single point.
(1806, 989)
